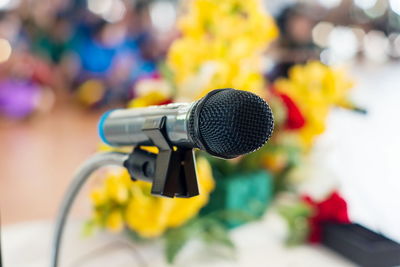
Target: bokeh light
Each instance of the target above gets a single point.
(320, 33)
(110, 10)
(8, 4)
(99, 7)
(365, 4)
(4, 3)
(5, 50)
(395, 6)
(378, 10)
(376, 46)
(343, 44)
(394, 45)
(163, 15)
(116, 12)
(330, 3)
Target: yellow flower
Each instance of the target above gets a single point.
(90, 92)
(116, 187)
(115, 222)
(146, 214)
(225, 40)
(315, 88)
(150, 92)
(155, 215)
(132, 204)
(275, 162)
(152, 98)
(102, 147)
(98, 197)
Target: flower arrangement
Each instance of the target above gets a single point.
(220, 47)
(209, 54)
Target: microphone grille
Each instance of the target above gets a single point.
(231, 123)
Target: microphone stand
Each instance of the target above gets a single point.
(172, 173)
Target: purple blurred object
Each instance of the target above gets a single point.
(18, 99)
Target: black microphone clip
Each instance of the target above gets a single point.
(172, 171)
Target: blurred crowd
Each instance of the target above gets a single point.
(94, 51)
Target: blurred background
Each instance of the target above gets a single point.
(64, 63)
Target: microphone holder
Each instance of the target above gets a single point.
(172, 171)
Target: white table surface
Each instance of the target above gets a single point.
(361, 153)
(258, 244)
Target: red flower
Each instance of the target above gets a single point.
(166, 102)
(332, 209)
(295, 119)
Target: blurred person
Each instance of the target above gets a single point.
(141, 37)
(145, 64)
(295, 45)
(111, 57)
(139, 22)
(101, 48)
(52, 42)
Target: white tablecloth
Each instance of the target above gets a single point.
(258, 244)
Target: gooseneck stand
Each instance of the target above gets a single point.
(172, 173)
(91, 165)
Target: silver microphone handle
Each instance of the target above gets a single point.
(124, 127)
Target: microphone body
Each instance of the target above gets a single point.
(123, 127)
(225, 123)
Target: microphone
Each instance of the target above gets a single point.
(225, 123)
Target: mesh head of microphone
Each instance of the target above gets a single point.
(228, 123)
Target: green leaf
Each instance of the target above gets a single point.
(210, 230)
(134, 236)
(296, 217)
(299, 230)
(281, 179)
(216, 233)
(296, 210)
(175, 240)
(88, 228)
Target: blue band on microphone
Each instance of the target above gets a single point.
(101, 127)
